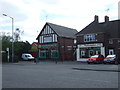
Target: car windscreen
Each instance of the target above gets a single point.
(27, 55)
(95, 56)
(111, 56)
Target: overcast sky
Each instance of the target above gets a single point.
(30, 15)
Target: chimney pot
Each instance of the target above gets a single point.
(96, 18)
(106, 19)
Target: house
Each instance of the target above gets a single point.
(56, 42)
(99, 38)
(34, 49)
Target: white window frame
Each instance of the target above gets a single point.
(111, 50)
(89, 38)
(47, 39)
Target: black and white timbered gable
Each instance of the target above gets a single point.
(51, 32)
(47, 35)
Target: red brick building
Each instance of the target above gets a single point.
(34, 49)
(99, 38)
(56, 42)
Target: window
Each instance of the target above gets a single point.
(54, 53)
(110, 41)
(75, 41)
(47, 39)
(82, 54)
(89, 37)
(69, 47)
(111, 51)
(42, 53)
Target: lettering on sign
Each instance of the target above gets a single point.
(91, 45)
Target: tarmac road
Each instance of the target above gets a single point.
(60, 75)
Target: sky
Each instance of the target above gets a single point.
(31, 15)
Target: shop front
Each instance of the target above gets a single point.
(85, 51)
(48, 51)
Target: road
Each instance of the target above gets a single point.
(60, 75)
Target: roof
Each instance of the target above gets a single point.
(62, 31)
(111, 28)
(93, 27)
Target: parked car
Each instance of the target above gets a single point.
(110, 59)
(27, 56)
(96, 59)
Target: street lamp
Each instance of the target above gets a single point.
(12, 36)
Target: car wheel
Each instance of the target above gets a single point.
(104, 62)
(88, 62)
(116, 62)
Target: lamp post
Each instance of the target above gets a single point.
(12, 36)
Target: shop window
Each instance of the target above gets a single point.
(91, 53)
(110, 41)
(43, 53)
(89, 37)
(54, 53)
(97, 52)
(82, 54)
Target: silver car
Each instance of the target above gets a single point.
(110, 59)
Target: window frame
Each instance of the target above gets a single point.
(89, 38)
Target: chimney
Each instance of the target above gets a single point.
(96, 18)
(106, 19)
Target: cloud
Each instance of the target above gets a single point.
(12, 10)
(30, 15)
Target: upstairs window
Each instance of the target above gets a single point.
(75, 41)
(47, 39)
(89, 37)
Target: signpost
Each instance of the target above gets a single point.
(8, 57)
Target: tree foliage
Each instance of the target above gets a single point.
(19, 48)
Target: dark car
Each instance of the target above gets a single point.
(110, 59)
(96, 59)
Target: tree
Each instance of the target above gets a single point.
(17, 34)
(6, 43)
(27, 47)
(19, 48)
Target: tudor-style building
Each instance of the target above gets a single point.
(56, 42)
(99, 38)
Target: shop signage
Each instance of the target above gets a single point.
(91, 45)
(48, 45)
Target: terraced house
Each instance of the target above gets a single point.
(99, 38)
(56, 42)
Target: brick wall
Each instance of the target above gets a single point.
(66, 48)
(100, 37)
